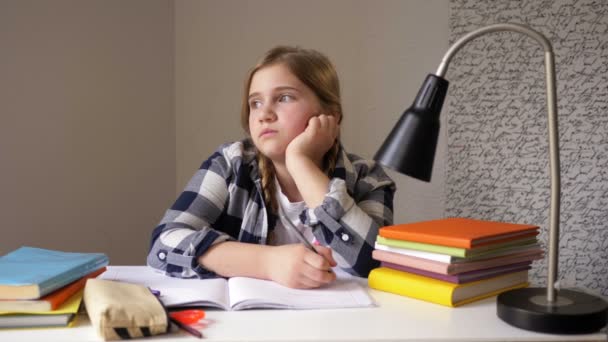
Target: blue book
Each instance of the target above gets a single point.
(30, 273)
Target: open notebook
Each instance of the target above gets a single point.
(239, 293)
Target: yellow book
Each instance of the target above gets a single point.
(443, 292)
(64, 315)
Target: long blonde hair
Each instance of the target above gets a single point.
(317, 72)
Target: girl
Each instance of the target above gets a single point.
(247, 207)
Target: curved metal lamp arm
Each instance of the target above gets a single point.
(553, 136)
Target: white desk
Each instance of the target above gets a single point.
(395, 319)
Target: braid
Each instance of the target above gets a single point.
(331, 157)
(268, 185)
(267, 174)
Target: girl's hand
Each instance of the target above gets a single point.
(296, 266)
(316, 140)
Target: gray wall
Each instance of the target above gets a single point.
(382, 50)
(87, 125)
(107, 107)
(498, 149)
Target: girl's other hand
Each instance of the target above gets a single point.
(298, 267)
(316, 140)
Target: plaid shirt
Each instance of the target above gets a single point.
(224, 202)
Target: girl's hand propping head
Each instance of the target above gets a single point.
(318, 137)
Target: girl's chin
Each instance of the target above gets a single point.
(274, 153)
(275, 157)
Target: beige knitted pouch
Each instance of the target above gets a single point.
(122, 310)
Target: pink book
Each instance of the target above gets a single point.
(465, 277)
(445, 268)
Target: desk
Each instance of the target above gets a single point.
(395, 318)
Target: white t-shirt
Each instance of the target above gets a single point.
(283, 234)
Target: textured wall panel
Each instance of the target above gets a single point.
(498, 166)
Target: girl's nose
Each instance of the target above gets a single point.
(267, 114)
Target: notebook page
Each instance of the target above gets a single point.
(175, 292)
(249, 293)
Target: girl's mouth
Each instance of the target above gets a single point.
(267, 132)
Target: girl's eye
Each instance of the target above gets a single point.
(285, 98)
(255, 104)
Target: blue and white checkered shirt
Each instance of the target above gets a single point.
(224, 202)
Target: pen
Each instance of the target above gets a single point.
(154, 292)
(308, 245)
(302, 238)
(188, 314)
(190, 330)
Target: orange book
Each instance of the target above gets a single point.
(458, 232)
(51, 301)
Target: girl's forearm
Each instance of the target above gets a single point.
(290, 265)
(232, 259)
(310, 180)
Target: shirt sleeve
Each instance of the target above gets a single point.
(185, 231)
(349, 223)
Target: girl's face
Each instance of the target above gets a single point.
(280, 106)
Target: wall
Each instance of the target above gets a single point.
(87, 132)
(93, 125)
(91, 138)
(382, 50)
(498, 149)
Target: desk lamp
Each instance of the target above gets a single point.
(410, 149)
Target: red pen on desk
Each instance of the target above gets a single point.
(184, 318)
(190, 330)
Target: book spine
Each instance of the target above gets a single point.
(428, 239)
(453, 251)
(418, 254)
(443, 277)
(404, 260)
(484, 264)
(59, 296)
(411, 285)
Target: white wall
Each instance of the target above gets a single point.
(382, 50)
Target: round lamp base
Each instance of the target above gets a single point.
(571, 313)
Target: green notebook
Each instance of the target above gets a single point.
(455, 251)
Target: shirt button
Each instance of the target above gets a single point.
(162, 255)
(345, 237)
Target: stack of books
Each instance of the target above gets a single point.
(454, 261)
(44, 288)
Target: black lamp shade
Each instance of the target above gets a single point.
(410, 147)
